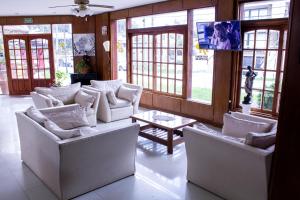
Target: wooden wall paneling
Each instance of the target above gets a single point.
(167, 6)
(2, 20)
(167, 103)
(197, 110)
(120, 14)
(223, 66)
(114, 49)
(285, 171)
(146, 99)
(84, 25)
(103, 58)
(194, 4)
(140, 11)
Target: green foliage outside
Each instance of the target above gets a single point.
(60, 78)
(203, 94)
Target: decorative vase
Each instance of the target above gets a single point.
(246, 108)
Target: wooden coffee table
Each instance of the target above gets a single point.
(163, 128)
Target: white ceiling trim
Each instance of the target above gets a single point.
(41, 7)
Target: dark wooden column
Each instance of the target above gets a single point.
(285, 176)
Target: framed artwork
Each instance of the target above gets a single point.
(84, 44)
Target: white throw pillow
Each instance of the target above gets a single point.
(84, 99)
(235, 127)
(127, 93)
(55, 102)
(66, 94)
(36, 115)
(68, 117)
(113, 85)
(59, 132)
(111, 97)
(261, 140)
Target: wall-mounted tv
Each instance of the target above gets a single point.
(225, 35)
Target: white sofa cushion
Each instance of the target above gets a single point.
(59, 132)
(111, 97)
(84, 99)
(113, 85)
(68, 117)
(260, 140)
(121, 103)
(127, 93)
(36, 115)
(240, 128)
(54, 101)
(66, 94)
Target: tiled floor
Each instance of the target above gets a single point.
(158, 176)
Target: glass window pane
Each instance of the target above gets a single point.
(261, 39)
(273, 39)
(283, 60)
(122, 49)
(270, 81)
(249, 40)
(164, 70)
(247, 58)
(166, 19)
(280, 82)
(179, 87)
(27, 29)
(272, 60)
(258, 83)
(259, 59)
(164, 85)
(63, 52)
(268, 100)
(256, 99)
(179, 73)
(171, 71)
(265, 9)
(202, 62)
(171, 86)
(158, 88)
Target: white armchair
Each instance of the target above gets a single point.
(228, 167)
(67, 96)
(123, 109)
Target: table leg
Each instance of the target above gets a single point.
(170, 142)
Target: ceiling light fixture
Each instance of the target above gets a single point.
(79, 12)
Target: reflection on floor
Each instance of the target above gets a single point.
(159, 176)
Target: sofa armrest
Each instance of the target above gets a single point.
(214, 160)
(40, 100)
(84, 160)
(95, 94)
(139, 94)
(104, 111)
(39, 151)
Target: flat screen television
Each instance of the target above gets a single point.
(224, 35)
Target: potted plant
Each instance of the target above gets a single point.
(83, 65)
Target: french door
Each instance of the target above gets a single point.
(158, 59)
(30, 62)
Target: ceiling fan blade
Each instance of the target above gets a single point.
(101, 6)
(62, 6)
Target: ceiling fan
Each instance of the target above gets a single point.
(82, 7)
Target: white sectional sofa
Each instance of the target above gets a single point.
(123, 108)
(77, 165)
(67, 95)
(226, 166)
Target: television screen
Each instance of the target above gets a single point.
(224, 35)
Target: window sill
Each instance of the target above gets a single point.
(199, 102)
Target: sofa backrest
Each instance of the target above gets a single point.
(66, 94)
(113, 85)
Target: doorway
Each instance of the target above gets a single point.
(29, 62)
